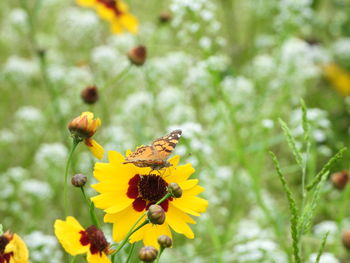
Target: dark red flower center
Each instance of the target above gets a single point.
(4, 258)
(111, 4)
(95, 237)
(147, 190)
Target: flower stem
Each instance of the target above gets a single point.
(129, 234)
(159, 254)
(73, 259)
(130, 253)
(65, 194)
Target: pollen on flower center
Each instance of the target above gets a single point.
(147, 190)
(95, 237)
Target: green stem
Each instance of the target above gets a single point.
(132, 230)
(130, 252)
(159, 254)
(118, 77)
(65, 194)
(128, 236)
(73, 259)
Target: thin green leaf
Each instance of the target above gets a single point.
(1, 230)
(309, 211)
(326, 168)
(305, 121)
(292, 208)
(320, 251)
(292, 143)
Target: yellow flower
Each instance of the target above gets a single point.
(338, 77)
(77, 240)
(83, 128)
(126, 192)
(13, 249)
(115, 12)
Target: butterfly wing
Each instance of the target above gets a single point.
(166, 144)
(142, 153)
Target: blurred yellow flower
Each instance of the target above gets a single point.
(115, 12)
(83, 128)
(127, 191)
(13, 249)
(77, 240)
(338, 77)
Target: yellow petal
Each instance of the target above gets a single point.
(19, 250)
(97, 258)
(152, 232)
(122, 222)
(87, 3)
(111, 202)
(129, 22)
(177, 221)
(179, 174)
(96, 149)
(68, 234)
(115, 157)
(191, 204)
(105, 13)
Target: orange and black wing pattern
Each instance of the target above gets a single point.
(166, 144)
(155, 155)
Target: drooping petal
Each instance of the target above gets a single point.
(68, 234)
(95, 148)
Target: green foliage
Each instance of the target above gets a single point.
(292, 208)
(325, 169)
(323, 244)
(1, 230)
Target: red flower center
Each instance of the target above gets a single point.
(111, 4)
(95, 237)
(147, 190)
(4, 258)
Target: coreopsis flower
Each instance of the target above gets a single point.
(12, 249)
(77, 240)
(127, 191)
(115, 12)
(83, 128)
(338, 77)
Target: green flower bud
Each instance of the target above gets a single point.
(175, 190)
(165, 241)
(156, 214)
(148, 254)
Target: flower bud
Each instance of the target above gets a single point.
(84, 126)
(148, 254)
(175, 190)
(346, 239)
(156, 214)
(165, 17)
(90, 94)
(137, 55)
(165, 241)
(340, 179)
(79, 180)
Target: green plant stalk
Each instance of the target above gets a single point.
(69, 160)
(159, 254)
(129, 235)
(293, 210)
(319, 254)
(73, 259)
(91, 206)
(130, 252)
(132, 231)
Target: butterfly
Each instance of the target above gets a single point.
(156, 154)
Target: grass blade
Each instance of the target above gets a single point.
(320, 251)
(292, 143)
(326, 168)
(293, 210)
